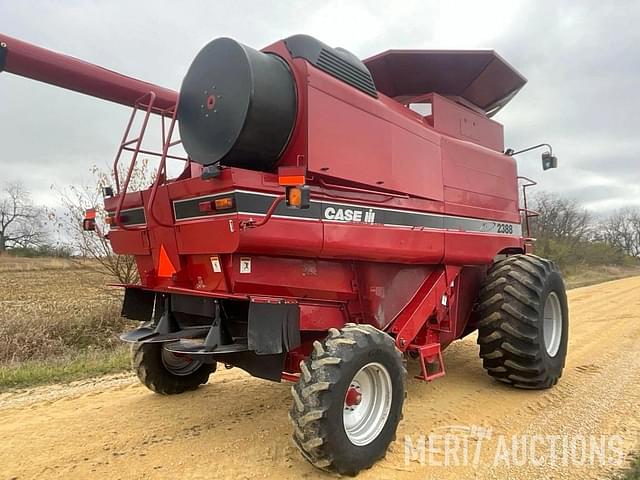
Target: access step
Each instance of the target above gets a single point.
(431, 363)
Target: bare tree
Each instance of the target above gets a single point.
(622, 230)
(75, 201)
(21, 223)
(560, 218)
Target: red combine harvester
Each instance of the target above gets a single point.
(333, 214)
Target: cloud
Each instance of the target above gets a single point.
(580, 97)
(579, 57)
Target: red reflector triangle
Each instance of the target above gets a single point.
(165, 267)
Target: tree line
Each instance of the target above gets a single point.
(569, 234)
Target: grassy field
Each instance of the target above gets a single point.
(633, 471)
(576, 277)
(58, 322)
(64, 369)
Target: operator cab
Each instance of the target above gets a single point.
(455, 91)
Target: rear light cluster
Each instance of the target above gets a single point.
(298, 197)
(89, 220)
(219, 204)
(293, 179)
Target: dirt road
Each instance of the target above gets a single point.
(237, 427)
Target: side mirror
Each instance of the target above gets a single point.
(549, 161)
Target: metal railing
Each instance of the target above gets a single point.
(525, 211)
(134, 145)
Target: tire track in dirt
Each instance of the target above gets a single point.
(236, 426)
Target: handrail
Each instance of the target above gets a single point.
(251, 223)
(527, 213)
(158, 154)
(123, 193)
(531, 182)
(162, 167)
(116, 175)
(126, 144)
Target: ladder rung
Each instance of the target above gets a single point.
(124, 144)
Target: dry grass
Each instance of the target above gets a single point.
(22, 264)
(54, 310)
(67, 368)
(59, 321)
(576, 277)
(632, 472)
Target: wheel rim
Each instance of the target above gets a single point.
(552, 325)
(367, 404)
(180, 365)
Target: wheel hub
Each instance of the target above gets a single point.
(179, 364)
(552, 325)
(367, 404)
(354, 397)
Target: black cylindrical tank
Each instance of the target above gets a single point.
(237, 106)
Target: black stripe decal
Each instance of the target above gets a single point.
(259, 204)
(184, 209)
(132, 216)
(254, 203)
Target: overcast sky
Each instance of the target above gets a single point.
(582, 60)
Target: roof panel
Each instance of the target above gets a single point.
(480, 76)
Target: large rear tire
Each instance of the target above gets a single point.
(348, 401)
(165, 372)
(523, 322)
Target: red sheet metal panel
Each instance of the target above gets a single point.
(354, 137)
(460, 122)
(479, 182)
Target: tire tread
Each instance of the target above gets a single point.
(310, 405)
(509, 307)
(147, 364)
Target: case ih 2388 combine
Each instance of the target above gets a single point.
(322, 229)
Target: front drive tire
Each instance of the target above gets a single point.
(166, 373)
(523, 322)
(348, 401)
